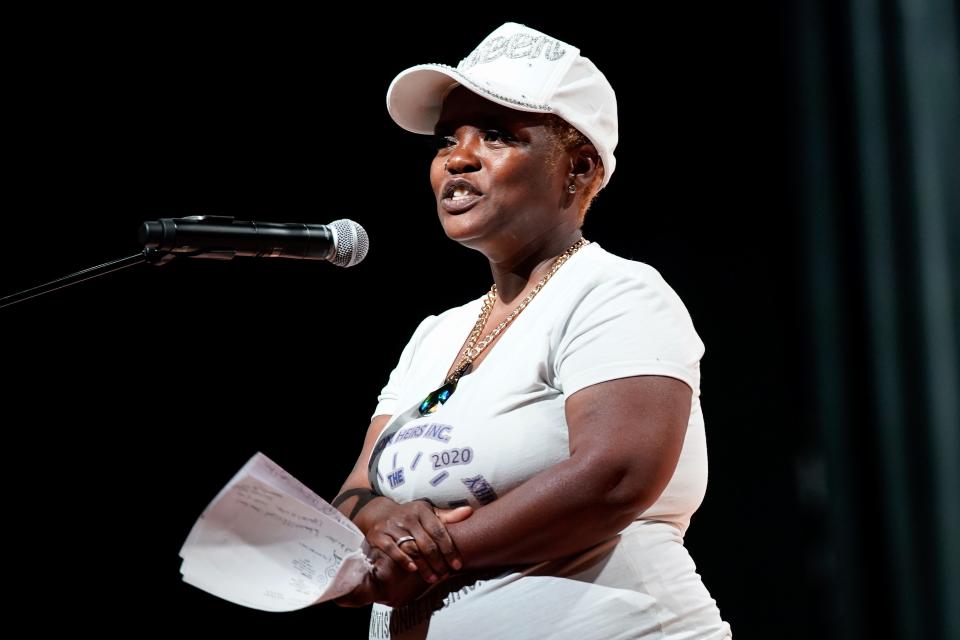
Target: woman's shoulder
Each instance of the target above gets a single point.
(467, 308)
(454, 314)
(604, 279)
(601, 266)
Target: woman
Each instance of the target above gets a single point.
(543, 492)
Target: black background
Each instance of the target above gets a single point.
(131, 399)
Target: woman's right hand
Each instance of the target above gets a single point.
(434, 555)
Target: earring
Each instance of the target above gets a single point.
(572, 188)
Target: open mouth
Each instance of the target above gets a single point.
(460, 188)
(458, 195)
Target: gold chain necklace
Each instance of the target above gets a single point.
(475, 345)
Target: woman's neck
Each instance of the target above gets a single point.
(514, 277)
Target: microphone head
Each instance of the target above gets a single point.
(350, 243)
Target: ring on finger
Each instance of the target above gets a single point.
(403, 539)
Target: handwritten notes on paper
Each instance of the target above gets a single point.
(267, 542)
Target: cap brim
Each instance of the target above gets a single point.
(416, 95)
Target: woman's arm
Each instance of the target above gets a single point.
(357, 482)
(625, 441)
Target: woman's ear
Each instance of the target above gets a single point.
(584, 162)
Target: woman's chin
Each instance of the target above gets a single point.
(462, 227)
(470, 241)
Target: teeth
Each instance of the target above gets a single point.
(461, 192)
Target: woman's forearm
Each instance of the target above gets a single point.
(564, 509)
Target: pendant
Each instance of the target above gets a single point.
(436, 398)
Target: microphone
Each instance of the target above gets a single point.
(342, 242)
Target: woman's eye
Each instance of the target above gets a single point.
(495, 135)
(444, 142)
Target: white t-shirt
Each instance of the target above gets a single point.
(599, 318)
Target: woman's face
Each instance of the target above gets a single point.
(499, 177)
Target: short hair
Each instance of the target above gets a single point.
(566, 136)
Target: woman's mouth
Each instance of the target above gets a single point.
(459, 195)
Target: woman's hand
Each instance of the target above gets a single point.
(425, 546)
(386, 583)
(383, 521)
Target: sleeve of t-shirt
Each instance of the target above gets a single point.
(630, 323)
(390, 394)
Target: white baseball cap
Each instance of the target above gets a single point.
(520, 68)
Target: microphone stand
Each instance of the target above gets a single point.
(147, 255)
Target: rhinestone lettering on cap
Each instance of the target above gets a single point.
(519, 45)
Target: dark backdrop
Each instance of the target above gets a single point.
(131, 399)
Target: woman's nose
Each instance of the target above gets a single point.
(463, 157)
